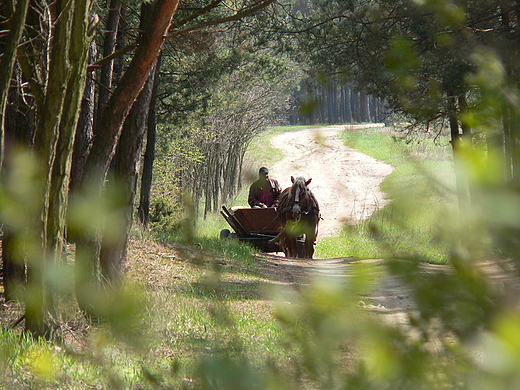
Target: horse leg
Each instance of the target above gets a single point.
(311, 232)
(290, 243)
(309, 247)
(280, 240)
(283, 245)
(287, 243)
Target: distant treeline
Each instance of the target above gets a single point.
(335, 103)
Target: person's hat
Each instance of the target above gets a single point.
(263, 170)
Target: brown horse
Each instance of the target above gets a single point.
(300, 212)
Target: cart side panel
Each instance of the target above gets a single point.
(264, 221)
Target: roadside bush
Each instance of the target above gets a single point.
(166, 218)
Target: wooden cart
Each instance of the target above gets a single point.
(256, 226)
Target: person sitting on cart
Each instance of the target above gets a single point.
(265, 191)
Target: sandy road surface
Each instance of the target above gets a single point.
(345, 182)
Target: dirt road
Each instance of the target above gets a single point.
(345, 182)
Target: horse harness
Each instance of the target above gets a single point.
(311, 210)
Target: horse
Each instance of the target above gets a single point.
(300, 213)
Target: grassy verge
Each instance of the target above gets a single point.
(422, 191)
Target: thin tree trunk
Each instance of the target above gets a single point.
(40, 301)
(454, 124)
(460, 176)
(515, 146)
(13, 261)
(7, 61)
(354, 100)
(348, 105)
(19, 130)
(84, 131)
(105, 143)
(13, 267)
(106, 71)
(143, 212)
(79, 55)
(364, 107)
(508, 143)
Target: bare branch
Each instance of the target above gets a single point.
(112, 56)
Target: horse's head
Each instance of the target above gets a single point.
(301, 197)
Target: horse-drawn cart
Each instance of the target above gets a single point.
(294, 227)
(255, 226)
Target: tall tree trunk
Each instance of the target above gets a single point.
(348, 105)
(13, 261)
(129, 88)
(84, 131)
(508, 143)
(19, 131)
(106, 71)
(118, 107)
(329, 101)
(126, 171)
(364, 107)
(13, 266)
(460, 176)
(39, 301)
(454, 124)
(514, 129)
(373, 109)
(354, 103)
(78, 57)
(143, 211)
(54, 140)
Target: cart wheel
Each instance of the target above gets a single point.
(225, 233)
